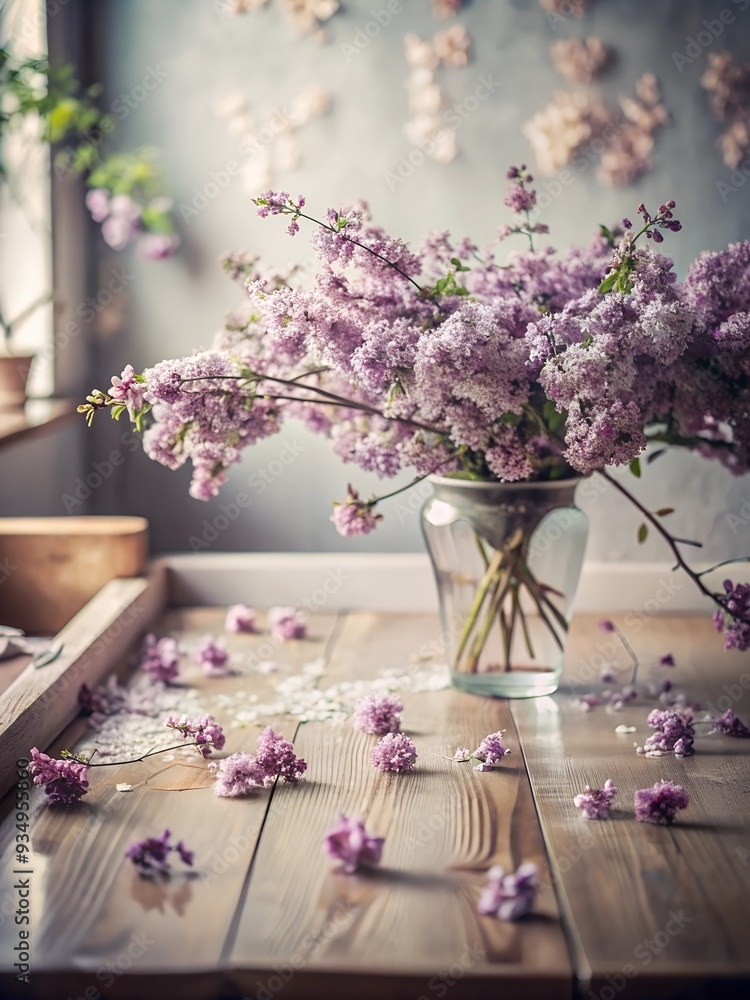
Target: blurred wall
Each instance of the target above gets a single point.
(202, 57)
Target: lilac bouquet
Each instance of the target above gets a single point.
(448, 361)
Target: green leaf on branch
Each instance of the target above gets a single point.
(642, 534)
(608, 284)
(635, 467)
(458, 265)
(655, 454)
(608, 235)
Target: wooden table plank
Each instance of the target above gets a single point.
(90, 910)
(412, 927)
(663, 910)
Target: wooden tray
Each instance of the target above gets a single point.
(266, 916)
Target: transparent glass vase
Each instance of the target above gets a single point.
(507, 559)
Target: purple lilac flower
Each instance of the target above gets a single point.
(729, 725)
(123, 224)
(158, 246)
(461, 755)
(128, 390)
(151, 856)
(276, 756)
(287, 623)
(606, 625)
(378, 714)
(659, 804)
(97, 202)
(65, 781)
(159, 658)
(395, 752)
(242, 773)
(734, 620)
(354, 516)
(349, 843)
(674, 733)
(519, 198)
(240, 618)
(239, 775)
(490, 752)
(213, 657)
(595, 803)
(509, 897)
(667, 660)
(206, 732)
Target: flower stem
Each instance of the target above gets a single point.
(671, 542)
(350, 239)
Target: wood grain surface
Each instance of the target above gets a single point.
(661, 911)
(408, 925)
(644, 911)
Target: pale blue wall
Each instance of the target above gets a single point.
(176, 305)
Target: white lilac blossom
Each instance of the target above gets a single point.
(240, 618)
(490, 752)
(151, 856)
(660, 803)
(287, 623)
(349, 843)
(595, 803)
(159, 658)
(674, 734)
(205, 732)
(395, 752)
(378, 714)
(213, 657)
(509, 897)
(64, 781)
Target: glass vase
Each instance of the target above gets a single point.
(507, 559)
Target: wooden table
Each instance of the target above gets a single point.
(625, 908)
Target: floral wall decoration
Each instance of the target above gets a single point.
(555, 132)
(575, 118)
(426, 127)
(728, 83)
(579, 60)
(307, 16)
(628, 155)
(270, 143)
